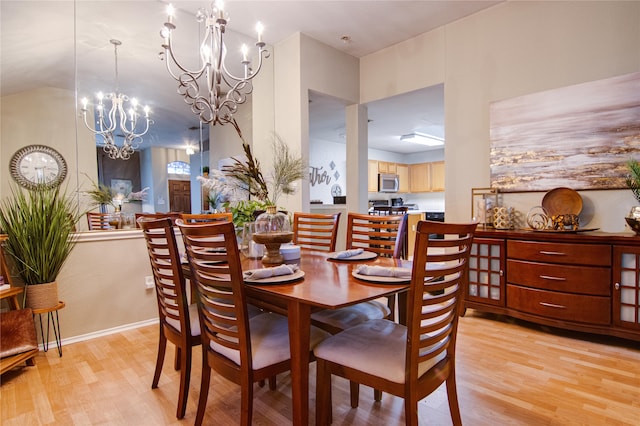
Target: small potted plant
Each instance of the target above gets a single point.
(40, 226)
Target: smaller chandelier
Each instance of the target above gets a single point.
(216, 99)
(117, 119)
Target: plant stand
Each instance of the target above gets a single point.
(56, 325)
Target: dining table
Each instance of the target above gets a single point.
(327, 283)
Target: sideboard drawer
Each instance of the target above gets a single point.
(561, 306)
(576, 254)
(570, 279)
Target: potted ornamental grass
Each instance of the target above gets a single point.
(40, 226)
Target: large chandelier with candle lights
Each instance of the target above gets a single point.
(117, 119)
(212, 91)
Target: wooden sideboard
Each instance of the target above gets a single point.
(587, 282)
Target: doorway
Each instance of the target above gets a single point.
(180, 196)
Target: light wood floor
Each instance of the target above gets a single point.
(509, 373)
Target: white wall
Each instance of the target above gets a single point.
(511, 49)
(321, 155)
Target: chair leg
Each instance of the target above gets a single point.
(272, 383)
(185, 376)
(204, 389)
(162, 347)
(377, 395)
(354, 391)
(246, 401)
(452, 395)
(323, 394)
(176, 361)
(411, 410)
(391, 303)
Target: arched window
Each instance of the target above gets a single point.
(178, 168)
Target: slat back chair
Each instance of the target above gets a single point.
(171, 215)
(316, 231)
(409, 362)
(380, 234)
(98, 221)
(240, 349)
(178, 321)
(206, 217)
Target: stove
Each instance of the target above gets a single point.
(435, 216)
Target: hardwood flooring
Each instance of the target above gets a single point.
(509, 373)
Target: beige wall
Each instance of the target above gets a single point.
(50, 120)
(102, 283)
(510, 50)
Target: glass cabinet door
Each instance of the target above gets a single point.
(626, 287)
(486, 272)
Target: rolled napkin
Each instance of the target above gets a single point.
(258, 274)
(5, 287)
(348, 253)
(383, 271)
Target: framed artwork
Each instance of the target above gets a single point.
(580, 137)
(122, 186)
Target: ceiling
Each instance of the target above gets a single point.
(37, 49)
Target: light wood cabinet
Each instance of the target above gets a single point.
(437, 176)
(419, 177)
(426, 177)
(403, 175)
(386, 167)
(412, 223)
(372, 185)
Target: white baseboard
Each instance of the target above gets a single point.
(101, 333)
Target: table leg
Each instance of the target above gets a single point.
(299, 335)
(402, 307)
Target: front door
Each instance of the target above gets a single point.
(180, 196)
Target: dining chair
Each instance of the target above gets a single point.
(179, 322)
(243, 350)
(316, 231)
(206, 217)
(407, 361)
(98, 221)
(382, 234)
(171, 215)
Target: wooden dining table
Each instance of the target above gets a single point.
(327, 284)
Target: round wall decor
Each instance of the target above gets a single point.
(38, 166)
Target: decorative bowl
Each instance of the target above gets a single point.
(634, 224)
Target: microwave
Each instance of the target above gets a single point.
(388, 183)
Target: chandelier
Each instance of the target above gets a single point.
(117, 119)
(216, 99)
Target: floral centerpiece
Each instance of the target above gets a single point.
(244, 179)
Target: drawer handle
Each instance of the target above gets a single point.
(553, 253)
(552, 305)
(548, 277)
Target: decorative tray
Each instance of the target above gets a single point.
(564, 231)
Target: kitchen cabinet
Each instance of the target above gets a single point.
(437, 176)
(403, 175)
(372, 185)
(588, 282)
(412, 223)
(386, 167)
(419, 177)
(426, 177)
